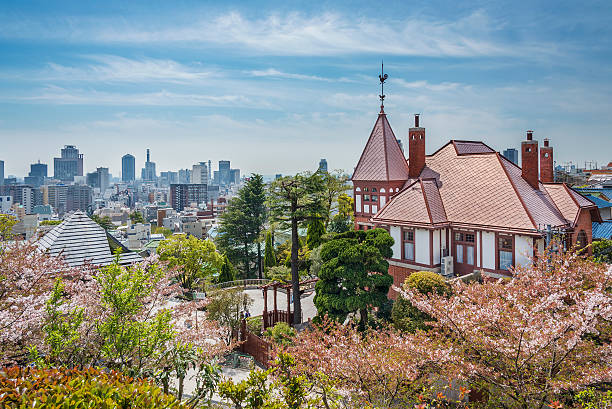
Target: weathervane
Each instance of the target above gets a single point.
(382, 77)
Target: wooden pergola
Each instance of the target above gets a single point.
(270, 318)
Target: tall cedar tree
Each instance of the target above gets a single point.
(227, 271)
(294, 200)
(335, 185)
(242, 223)
(354, 275)
(315, 232)
(269, 257)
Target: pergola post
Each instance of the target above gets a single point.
(265, 311)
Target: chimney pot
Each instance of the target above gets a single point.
(416, 120)
(529, 135)
(546, 142)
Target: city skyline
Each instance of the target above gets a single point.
(295, 82)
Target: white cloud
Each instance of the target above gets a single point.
(62, 96)
(120, 69)
(271, 72)
(295, 34)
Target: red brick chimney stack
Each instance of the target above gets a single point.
(547, 173)
(416, 149)
(529, 160)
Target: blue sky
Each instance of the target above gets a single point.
(274, 86)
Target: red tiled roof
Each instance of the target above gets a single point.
(467, 183)
(470, 147)
(407, 206)
(382, 158)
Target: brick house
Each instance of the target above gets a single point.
(464, 207)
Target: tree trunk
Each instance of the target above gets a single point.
(247, 262)
(363, 319)
(295, 274)
(259, 266)
(180, 387)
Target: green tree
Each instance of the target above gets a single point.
(6, 226)
(269, 257)
(354, 276)
(105, 222)
(315, 232)
(132, 339)
(407, 317)
(227, 271)
(136, 217)
(343, 220)
(241, 225)
(194, 258)
(293, 201)
(335, 184)
(602, 251)
(50, 222)
(162, 230)
(227, 307)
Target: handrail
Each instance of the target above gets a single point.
(250, 282)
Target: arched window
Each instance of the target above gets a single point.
(581, 240)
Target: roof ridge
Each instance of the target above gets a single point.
(426, 201)
(497, 155)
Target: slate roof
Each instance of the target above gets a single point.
(382, 158)
(601, 204)
(602, 230)
(80, 240)
(468, 183)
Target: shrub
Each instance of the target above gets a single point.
(404, 315)
(281, 333)
(72, 388)
(254, 324)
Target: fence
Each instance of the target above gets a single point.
(270, 318)
(259, 349)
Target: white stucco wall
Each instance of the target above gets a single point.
(443, 240)
(478, 249)
(436, 247)
(488, 250)
(396, 233)
(358, 203)
(523, 250)
(421, 244)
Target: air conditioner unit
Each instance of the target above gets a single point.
(446, 267)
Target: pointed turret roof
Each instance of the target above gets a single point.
(382, 158)
(80, 240)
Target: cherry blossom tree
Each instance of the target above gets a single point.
(26, 280)
(376, 368)
(525, 341)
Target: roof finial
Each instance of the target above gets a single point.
(382, 77)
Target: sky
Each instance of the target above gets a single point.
(274, 86)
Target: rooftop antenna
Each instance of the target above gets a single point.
(382, 77)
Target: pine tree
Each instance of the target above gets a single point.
(316, 230)
(227, 271)
(269, 258)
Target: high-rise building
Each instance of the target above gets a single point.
(56, 197)
(78, 197)
(148, 173)
(512, 155)
(182, 195)
(234, 176)
(224, 172)
(37, 175)
(323, 165)
(25, 195)
(210, 172)
(184, 176)
(199, 173)
(69, 165)
(1, 172)
(103, 179)
(128, 168)
(168, 178)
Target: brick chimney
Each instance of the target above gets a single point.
(416, 149)
(547, 173)
(529, 160)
